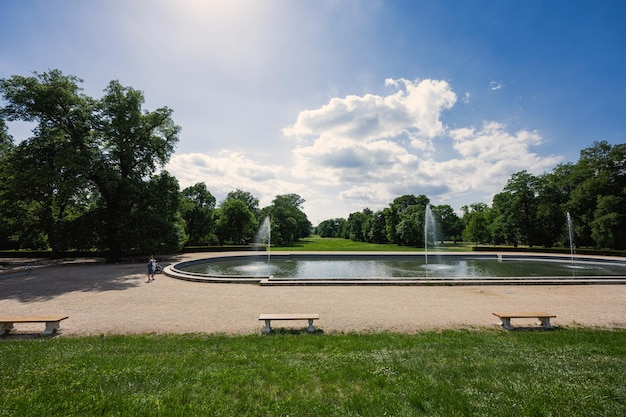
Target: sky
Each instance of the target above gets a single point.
(347, 103)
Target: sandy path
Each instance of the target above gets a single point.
(115, 299)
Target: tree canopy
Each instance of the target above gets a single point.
(90, 163)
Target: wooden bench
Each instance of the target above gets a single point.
(53, 323)
(269, 317)
(543, 317)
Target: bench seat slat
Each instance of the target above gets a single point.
(289, 317)
(524, 315)
(33, 319)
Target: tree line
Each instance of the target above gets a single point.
(530, 210)
(91, 177)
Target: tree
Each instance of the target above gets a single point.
(475, 218)
(356, 223)
(49, 169)
(288, 221)
(600, 171)
(235, 222)
(106, 149)
(410, 229)
(517, 206)
(552, 195)
(7, 220)
(332, 228)
(197, 208)
(450, 223)
(131, 145)
(394, 211)
(375, 228)
(6, 140)
(609, 222)
(247, 198)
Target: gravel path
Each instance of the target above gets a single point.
(115, 299)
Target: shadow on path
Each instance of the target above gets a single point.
(47, 282)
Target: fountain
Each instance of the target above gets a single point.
(264, 236)
(431, 230)
(570, 230)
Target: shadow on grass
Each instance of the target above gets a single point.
(534, 329)
(26, 335)
(284, 331)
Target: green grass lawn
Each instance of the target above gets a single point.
(565, 372)
(316, 243)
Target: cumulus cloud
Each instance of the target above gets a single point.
(375, 148)
(364, 151)
(414, 109)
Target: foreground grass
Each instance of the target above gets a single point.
(566, 372)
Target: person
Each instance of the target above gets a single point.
(151, 264)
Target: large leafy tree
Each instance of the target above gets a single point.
(235, 222)
(517, 204)
(131, 145)
(251, 202)
(410, 228)
(6, 219)
(197, 209)
(375, 228)
(103, 152)
(155, 216)
(475, 218)
(49, 169)
(450, 224)
(394, 216)
(600, 173)
(288, 221)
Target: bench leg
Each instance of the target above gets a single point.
(268, 328)
(51, 327)
(506, 323)
(311, 329)
(6, 328)
(545, 322)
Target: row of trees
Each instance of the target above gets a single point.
(402, 223)
(238, 217)
(91, 177)
(531, 210)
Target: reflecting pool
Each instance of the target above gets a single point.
(361, 266)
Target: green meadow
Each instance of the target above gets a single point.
(564, 372)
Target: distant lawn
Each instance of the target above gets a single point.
(316, 243)
(565, 372)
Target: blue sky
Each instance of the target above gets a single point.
(347, 103)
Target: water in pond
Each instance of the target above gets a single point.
(403, 267)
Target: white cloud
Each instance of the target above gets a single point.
(364, 151)
(495, 85)
(375, 148)
(414, 108)
(228, 171)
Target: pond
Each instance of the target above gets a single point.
(397, 267)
